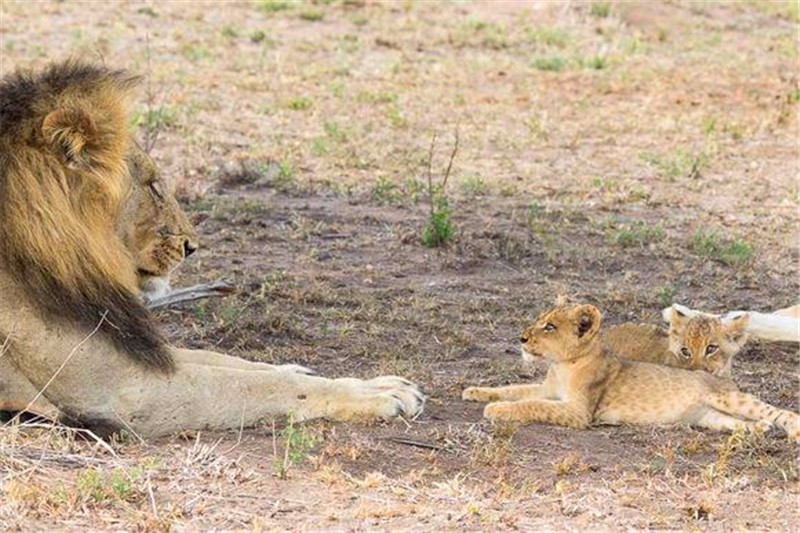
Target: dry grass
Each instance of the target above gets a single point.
(628, 153)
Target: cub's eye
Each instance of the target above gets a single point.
(549, 327)
(685, 352)
(711, 349)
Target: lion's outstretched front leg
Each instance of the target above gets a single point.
(205, 357)
(89, 379)
(200, 396)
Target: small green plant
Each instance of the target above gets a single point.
(678, 164)
(334, 132)
(319, 146)
(537, 126)
(284, 181)
(195, 52)
(386, 97)
(735, 253)
(384, 191)
(474, 185)
(359, 20)
(230, 32)
(596, 62)
(637, 234)
(535, 210)
(439, 229)
(553, 63)
(258, 36)
(123, 482)
(600, 9)
(297, 443)
(396, 116)
(548, 36)
(666, 294)
(90, 485)
(300, 103)
(273, 6)
(413, 189)
(311, 14)
(158, 118)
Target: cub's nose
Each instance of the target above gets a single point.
(188, 248)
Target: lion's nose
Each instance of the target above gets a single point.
(188, 248)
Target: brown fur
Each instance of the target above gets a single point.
(587, 384)
(153, 227)
(73, 195)
(694, 343)
(63, 141)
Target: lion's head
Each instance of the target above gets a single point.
(64, 184)
(153, 226)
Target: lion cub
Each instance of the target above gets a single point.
(587, 384)
(699, 342)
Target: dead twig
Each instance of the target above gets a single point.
(195, 292)
(414, 442)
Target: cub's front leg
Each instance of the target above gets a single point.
(510, 392)
(545, 411)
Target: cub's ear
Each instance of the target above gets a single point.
(69, 131)
(562, 300)
(676, 315)
(588, 319)
(735, 329)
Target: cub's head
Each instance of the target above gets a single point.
(703, 342)
(153, 226)
(563, 333)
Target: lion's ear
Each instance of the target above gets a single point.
(68, 131)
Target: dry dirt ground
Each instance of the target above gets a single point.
(629, 154)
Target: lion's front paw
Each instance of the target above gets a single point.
(478, 394)
(384, 398)
(407, 396)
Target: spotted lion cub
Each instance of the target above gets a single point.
(699, 342)
(586, 384)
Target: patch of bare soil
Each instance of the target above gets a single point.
(630, 154)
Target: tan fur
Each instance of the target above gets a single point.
(793, 311)
(694, 343)
(586, 385)
(75, 332)
(153, 227)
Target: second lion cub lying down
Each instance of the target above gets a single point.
(694, 342)
(586, 384)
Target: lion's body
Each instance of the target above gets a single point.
(588, 385)
(76, 336)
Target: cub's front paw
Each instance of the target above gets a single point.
(478, 394)
(500, 411)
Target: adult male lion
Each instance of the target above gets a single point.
(74, 326)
